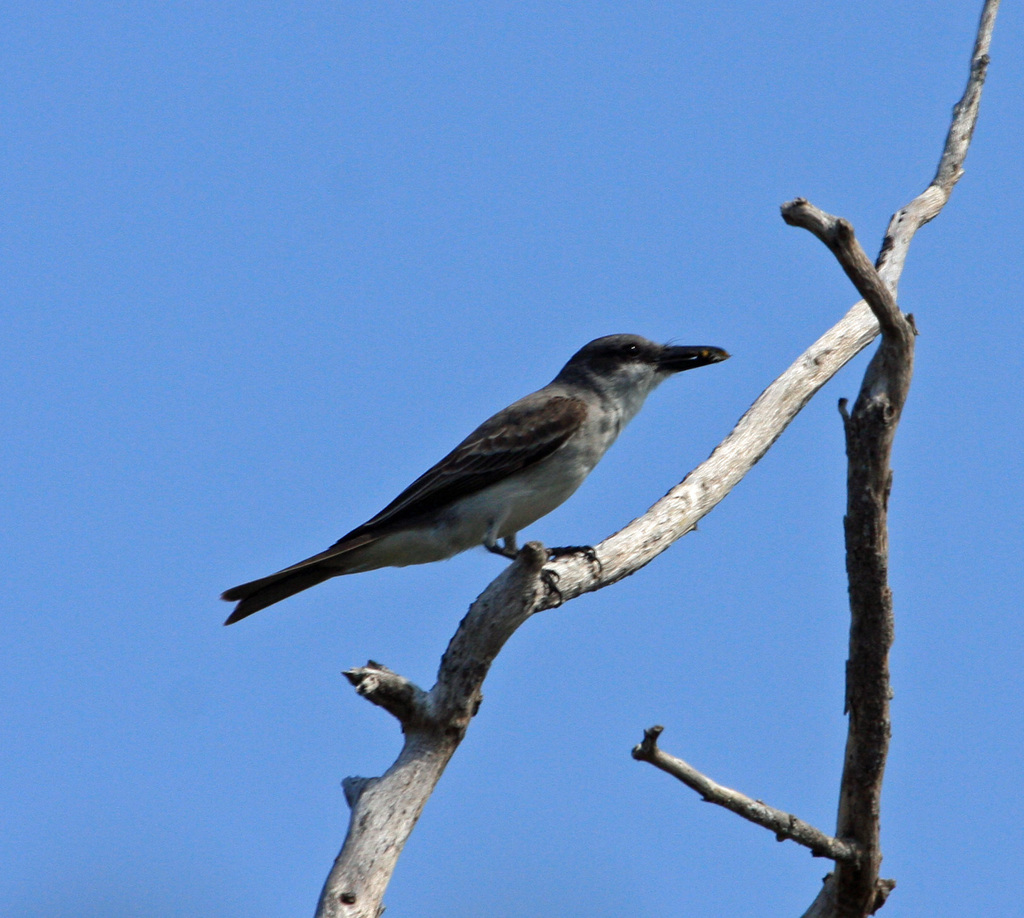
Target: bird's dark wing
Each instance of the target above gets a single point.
(522, 435)
(516, 438)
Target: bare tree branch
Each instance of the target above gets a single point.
(927, 205)
(870, 431)
(838, 235)
(396, 694)
(855, 889)
(679, 511)
(784, 825)
(385, 809)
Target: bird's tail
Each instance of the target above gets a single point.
(258, 594)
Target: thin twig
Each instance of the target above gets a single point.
(783, 824)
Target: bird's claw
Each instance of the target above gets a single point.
(550, 579)
(507, 550)
(587, 551)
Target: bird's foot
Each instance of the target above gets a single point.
(550, 580)
(508, 550)
(587, 551)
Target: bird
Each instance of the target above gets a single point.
(516, 467)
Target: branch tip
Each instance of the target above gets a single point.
(646, 750)
(387, 689)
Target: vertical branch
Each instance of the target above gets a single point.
(870, 431)
(869, 436)
(857, 890)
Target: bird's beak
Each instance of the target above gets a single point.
(675, 359)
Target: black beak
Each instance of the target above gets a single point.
(675, 359)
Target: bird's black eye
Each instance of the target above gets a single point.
(631, 350)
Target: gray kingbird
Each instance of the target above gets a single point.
(509, 472)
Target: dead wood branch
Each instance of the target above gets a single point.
(784, 825)
(855, 888)
(385, 809)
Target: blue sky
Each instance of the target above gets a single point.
(264, 265)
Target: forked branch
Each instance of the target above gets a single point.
(870, 431)
(855, 889)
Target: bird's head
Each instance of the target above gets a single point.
(628, 364)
